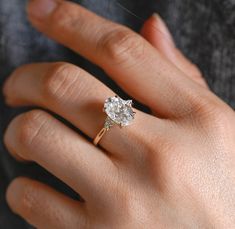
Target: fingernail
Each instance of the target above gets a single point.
(40, 9)
(161, 25)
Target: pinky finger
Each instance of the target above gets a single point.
(43, 207)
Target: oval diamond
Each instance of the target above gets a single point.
(119, 111)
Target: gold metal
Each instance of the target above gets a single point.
(107, 125)
(100, 135)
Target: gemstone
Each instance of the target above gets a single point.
(119, 111)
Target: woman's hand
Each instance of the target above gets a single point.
(175, 169)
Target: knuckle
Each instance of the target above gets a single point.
(201, 81)
(196, 74)
(210, 111)
(197, 103)
(207, 108)
(30, 126)
(216, 119)
(193, 68)
(121, 44)
(58, 81)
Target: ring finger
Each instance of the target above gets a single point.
(78, 97)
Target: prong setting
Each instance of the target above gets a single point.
(119, 111)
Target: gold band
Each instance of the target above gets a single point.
(100, 135)
(107, 125)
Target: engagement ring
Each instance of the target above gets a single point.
(119, 112)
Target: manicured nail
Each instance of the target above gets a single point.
(163, 28)
(40, 9)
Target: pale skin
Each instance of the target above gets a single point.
(172, 169)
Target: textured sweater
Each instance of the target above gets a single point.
(203, 30)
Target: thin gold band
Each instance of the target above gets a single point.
(100, 135)
(107, 125)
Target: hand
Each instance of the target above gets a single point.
(173, 169)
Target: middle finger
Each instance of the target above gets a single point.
(127, 58)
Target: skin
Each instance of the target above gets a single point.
(172, 169)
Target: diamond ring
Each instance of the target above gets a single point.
(119, 112)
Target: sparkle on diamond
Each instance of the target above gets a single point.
(119, 111)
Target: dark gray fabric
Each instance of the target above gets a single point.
(203, 30)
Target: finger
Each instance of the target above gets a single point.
(78, 97)
(44, 207)
(157, 33)
(37, 136)
(127, 57)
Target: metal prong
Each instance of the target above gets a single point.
(129, 103)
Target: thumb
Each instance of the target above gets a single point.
(157, 33)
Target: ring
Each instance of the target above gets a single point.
(119, 112)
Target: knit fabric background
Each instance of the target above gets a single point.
(203, 30)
